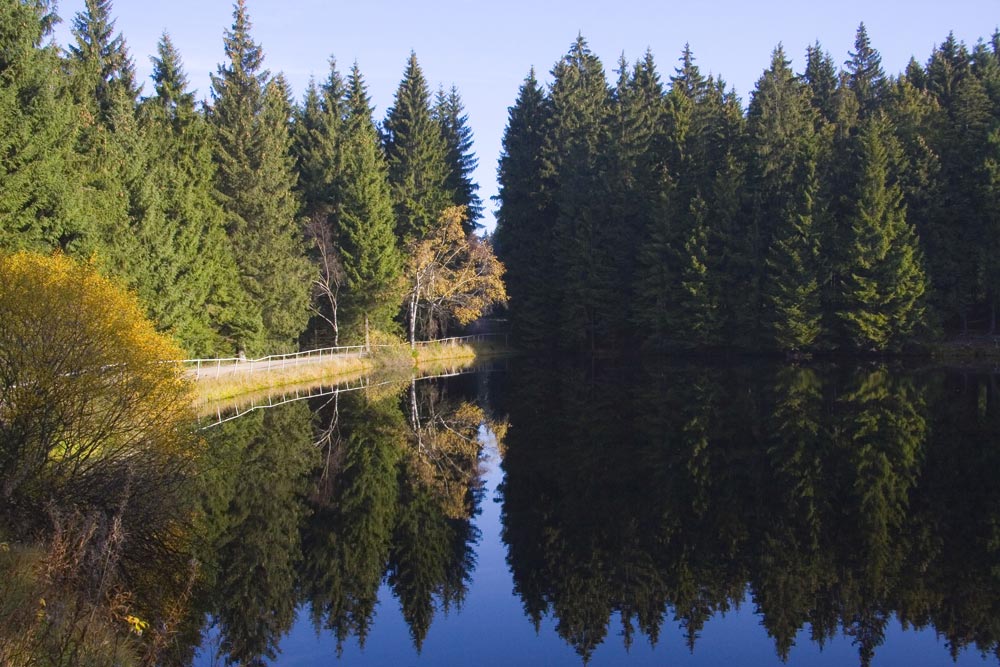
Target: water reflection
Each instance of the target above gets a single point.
(321, 502)
(836, 497)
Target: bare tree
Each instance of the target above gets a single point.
(330, 276)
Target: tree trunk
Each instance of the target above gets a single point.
(413, 316)
(368, 343)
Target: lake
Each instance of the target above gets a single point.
(606, 513)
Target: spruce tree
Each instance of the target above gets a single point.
(38, 184)
(865, 76)
(781, 125)
(255, 178)
(417, 156)
(884, 288)
(821, 77)
(371, 258)
(317, 138)
(102, 72)
(524, 234)
(947, 67)
(574, 154)
(643, 184)
(449, 111)
(192, 287)
(791, 291)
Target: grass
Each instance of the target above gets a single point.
(244, 383)
(393, 360)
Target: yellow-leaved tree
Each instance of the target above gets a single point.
(84, 387)
(452, 276)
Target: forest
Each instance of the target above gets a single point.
(842, 209)
(248, 222)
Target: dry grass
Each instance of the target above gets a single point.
(242, 386)
(244, 383)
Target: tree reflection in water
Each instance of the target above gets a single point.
(321, 506)
(833, 498)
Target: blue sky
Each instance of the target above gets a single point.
(486, 49)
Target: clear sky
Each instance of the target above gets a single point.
(486, 48)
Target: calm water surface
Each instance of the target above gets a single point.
(602, 513)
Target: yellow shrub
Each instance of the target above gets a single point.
(83, 383)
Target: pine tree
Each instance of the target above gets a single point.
(38, 184)
(524, 234)
(791, 292)
(947, 67)
(255, 179)
(865, 76)
(372, 262)
(884, 289)
(417, 157)
(449, 111)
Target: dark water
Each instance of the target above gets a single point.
(692, 514)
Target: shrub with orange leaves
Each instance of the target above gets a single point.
(85, 389)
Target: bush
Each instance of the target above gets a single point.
(84, 390)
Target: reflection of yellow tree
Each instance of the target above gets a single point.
(445, 458)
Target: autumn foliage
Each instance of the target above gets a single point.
(84, 383)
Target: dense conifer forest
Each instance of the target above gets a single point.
(246, 222)
(840, 208)
(844, 208)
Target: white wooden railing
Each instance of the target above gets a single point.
(233, 365)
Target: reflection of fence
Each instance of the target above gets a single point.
(285, 396)
(232, 365)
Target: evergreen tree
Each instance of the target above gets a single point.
(884, 289)
(791, 292)
(589, 307)
(38, 183)
(947, 67)
(255, 179)
(524, 234)
(865, 76)
(103, 75)
(192, 287)
(449, 111)
(821, 77)
(417, 156)
(643, 185)
(781, 124)
(372, 262)
(317, 146)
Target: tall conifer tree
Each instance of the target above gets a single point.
(449, 111)
(524, 235)
(883, 302)
(417, 156)
(371, 257)
(865, 75)
(781, 123)
(252, 117)
(192, 285)
(37, 130)
(574, 153)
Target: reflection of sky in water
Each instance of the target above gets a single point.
(491, 628)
